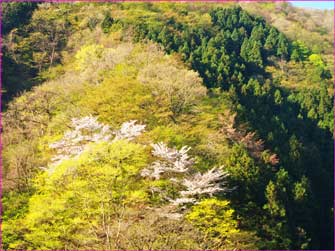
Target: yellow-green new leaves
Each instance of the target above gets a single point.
(81, 199)
(213, 216)
(181, 88)
(215, 219)
(119, 99)
(97, 57)
(92, 61)
(316, 60)
(87, 55)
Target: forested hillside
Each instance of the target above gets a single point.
(166, 126)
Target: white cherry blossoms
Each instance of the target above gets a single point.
(178, 162)
(88, 130)
(171, 161)
(175, 165)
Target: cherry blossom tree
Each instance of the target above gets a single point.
(175, 161)
(171, 160)
(209, 183)
(129, 130)
(87, 130)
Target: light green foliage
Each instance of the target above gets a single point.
(117, 100)
(87, 55)
(216, 219)
(266, 117)
(14, 206)
(93, 61)
(181, 88)
(316, 60)
(99, 185)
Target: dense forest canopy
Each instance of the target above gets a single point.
(167, 126)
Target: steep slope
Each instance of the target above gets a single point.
(167, 98)
(124, 147)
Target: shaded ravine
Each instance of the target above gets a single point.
(304, 149)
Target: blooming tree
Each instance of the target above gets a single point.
(87, 130)
(210, 183)
(129, 130)
(171, 160)
(183, 200)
